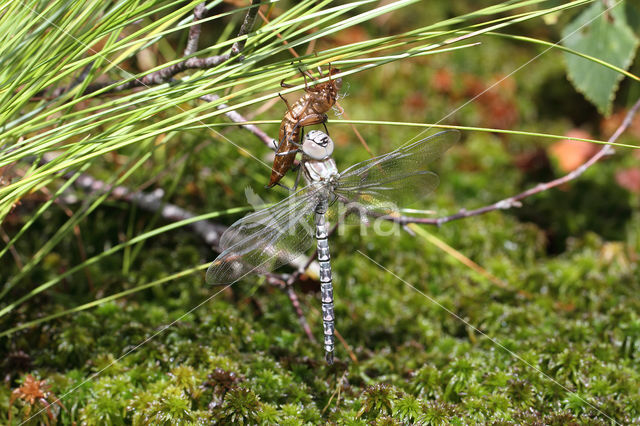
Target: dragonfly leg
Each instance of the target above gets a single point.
(308, 73)
(285, 153)
(286, 85)
(279, 144)
(285, 102)
(311, 119)
(307, 120)
(331, 71)
(281, 185)
(295, 168)
(293, 131)
(304, 75)
(299, 172)
(324, 123)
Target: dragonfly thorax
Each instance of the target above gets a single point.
(324, 171)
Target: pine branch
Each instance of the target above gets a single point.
(165, 75)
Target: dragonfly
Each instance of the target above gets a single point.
(267, 239)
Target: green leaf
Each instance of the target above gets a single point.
(604, 34)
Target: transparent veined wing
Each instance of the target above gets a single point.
(267, 239)
(396, 178)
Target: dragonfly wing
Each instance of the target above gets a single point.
(264, 240)
(394, 179)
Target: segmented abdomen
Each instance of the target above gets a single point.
(282, 163)
(326, 283)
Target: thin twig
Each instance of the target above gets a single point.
(12, 249)
(346, 346)
(514, 201)
(166, 74)
(238, 118)
(295, 302)
(246, 27)
(237, 47)
(192, 46)
(209, 231)
(199, 12)
(78, 80)
(163, 75)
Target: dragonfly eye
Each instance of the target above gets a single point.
(317, 145)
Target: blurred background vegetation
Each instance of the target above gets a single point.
(517, 317)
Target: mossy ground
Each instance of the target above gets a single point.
(559, 345)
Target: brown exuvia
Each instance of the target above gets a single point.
(308, 110)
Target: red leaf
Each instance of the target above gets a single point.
(442, 80)
(570, 154)
(629, 179)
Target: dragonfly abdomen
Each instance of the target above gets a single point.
(326, 284)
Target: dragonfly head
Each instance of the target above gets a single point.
(317, 145)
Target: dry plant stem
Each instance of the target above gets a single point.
(346, 346)
(210, 232)
(295, 302)
(199, 12)
(238, 118)
(166, 74)
(514, 201)
(336, 391)
(246, 27)
(192, 46)
(163, 75)
(78, 80)
(12, 249)
(358, 135)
